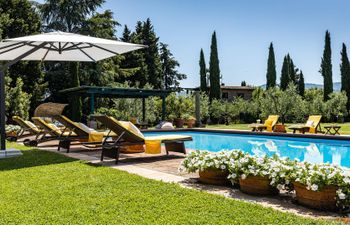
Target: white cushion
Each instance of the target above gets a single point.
(309, 123)
(167, 125)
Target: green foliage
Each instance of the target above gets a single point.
(301, 84)
(17, 101)
(171, 76)
(336, 106)
(345, 74)
(19, 18)
(287, 104)
(75, 104)
(214, 70)
(288, 73)
(204, 106)
(326, 67)
(151, 55)
(203, 72)
(179, 106)
(271, 69)
(284, 74)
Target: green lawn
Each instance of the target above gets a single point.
(345, 127)
(47, 188)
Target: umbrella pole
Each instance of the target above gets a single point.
(2, 111)
(2, 92)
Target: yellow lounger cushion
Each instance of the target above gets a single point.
(94, 136)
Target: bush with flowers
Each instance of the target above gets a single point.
(203, 160)
(12, 128)
(315, 177)
(281, 171)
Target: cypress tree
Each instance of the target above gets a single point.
(301, 84)
(271, 69)
(214, 70)
(292, 71)
(326, 67)
(345, 74)
(203, 72)
(285, 73)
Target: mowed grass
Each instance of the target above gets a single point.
(47, 188)
(345, 127)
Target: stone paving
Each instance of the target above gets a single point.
(165, 168)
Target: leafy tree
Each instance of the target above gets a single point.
(151, 55)
(69, 16)
(203, 72)
(326, 67)
(335, 107)
(169, 65)
(345, 74)
(20, 18)
(271, 68)
(288, 104)
(214, 70)
(18, 101)
(301, 84)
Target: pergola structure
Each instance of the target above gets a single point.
(93, 92)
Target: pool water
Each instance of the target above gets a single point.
(305, 149)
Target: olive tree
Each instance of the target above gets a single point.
(287, 104)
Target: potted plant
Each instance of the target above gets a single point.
(253, 173)
(212, 167)
(190, 120)
(12, 131)
(321, 186)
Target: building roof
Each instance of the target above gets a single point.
(111, 92)
(237, 87)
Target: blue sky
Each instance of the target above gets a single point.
(244, 31)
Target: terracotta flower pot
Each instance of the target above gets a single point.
(214, 176)
(190, 123)
(257, 185)
(323, 200)
(279, 128)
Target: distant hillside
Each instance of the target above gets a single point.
(336, 86)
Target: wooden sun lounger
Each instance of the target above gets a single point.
(128, 138)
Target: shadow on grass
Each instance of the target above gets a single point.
(32, 158)
(283, 202)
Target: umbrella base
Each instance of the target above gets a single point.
(9, 153)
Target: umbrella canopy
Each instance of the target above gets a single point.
(62, 46)
(54, 46)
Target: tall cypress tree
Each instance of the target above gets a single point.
(345, 74)
(214, 70)
(203, 72)
(301, 84)
(285, 74)
(326, 67)
(291, 71)
(271, 69)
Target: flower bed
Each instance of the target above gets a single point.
(212, 167)
(321, 186)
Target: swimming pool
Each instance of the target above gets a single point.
(305, 149)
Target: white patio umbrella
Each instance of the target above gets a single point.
(54, 46)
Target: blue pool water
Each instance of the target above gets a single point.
(305, 149)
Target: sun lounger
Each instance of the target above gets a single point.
(312, 125)
(269, 124)
(128, 135)
(26, 126)
(74, 131)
